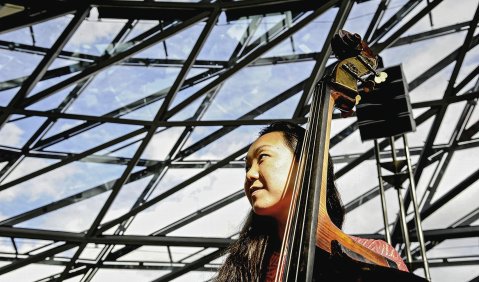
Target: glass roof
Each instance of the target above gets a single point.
(120, 137)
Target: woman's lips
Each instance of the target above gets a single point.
(253, 190)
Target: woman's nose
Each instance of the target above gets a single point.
(252, 173)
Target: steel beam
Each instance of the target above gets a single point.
(117, 57)
(441, 64)
(153, 183)
(434, 33)
(449, 92)
(92, 231)
(42, 67)
(29, 17)
(395, 36)
(35, 258)
(432, 235)
(57, 72)
(190, 266)
(249, 115)
(444, 199)
(135, 240)
(446, 101)
(320, 65)
(383, 144)
(71, 159)
(135, 105)
(125, 121)
(378, 16)
(454, 142)
(173, 190)
(181, 222)
(394, 20)
(251, 57)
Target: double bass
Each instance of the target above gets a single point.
(337, 254)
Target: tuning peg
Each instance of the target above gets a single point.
(368, 86)
(358, 99)
(380, 77)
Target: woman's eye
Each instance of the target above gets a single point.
(261, 156)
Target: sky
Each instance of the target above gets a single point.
(119, 85)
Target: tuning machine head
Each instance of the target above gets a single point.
(380, 77)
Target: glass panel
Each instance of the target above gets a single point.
(67, 219)
(30, 245)
(14, 65)
(16, 134)
(355, 221)
(6, 245)
(127, 197)
(459, 273)
(92, 138)
(469, 64)
(127, 275)
(177, 46)
(366, 174)
(124, 149)
(119, 86)
(7, 95)
(54, 185)
(227, 145)
(147, 112)
(226, 221)
(91, 251)
(307, 40)
(73, 64)
(199, 133)
(253, 86)
(148, 254)
(203, 192)
(32, 271)
(44, 34)
(200, 254)
(162, 143)
(187, 92)
(455, 248)
(269, 26)
(180, 253)
(62, 125)
(450, 124)
(53, 101)
(462, 164)
(360, 17)
(474, 118)
(454, 209)
(93, 36)
(223, 39)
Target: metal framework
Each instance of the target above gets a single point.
(388, 28)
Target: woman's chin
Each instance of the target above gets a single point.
(264, 210)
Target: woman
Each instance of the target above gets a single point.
(271, 164)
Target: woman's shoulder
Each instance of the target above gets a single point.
(383, 248)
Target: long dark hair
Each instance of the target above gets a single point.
(248, 257)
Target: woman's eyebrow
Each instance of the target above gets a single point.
(255, 152)
(261, 148)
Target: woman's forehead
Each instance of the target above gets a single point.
(273, 139)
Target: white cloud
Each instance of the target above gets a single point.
(31, 272)
(44, 186)
(94, 36)
(188, 200)
(11, 135)
(160, 145)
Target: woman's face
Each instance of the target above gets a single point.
(270, 166)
